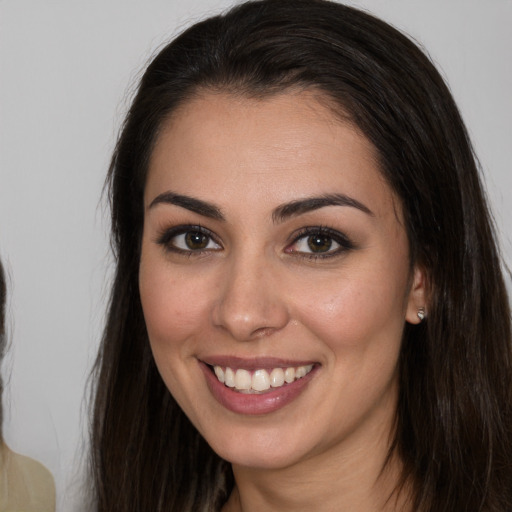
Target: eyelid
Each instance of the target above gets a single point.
(337, 236)
(166, 235)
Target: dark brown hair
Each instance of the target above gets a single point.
(454, 418)
(3, 340)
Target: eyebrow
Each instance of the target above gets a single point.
(189, 203)
(280, 214)
(294, 208)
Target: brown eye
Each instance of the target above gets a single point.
(195, 240)
(319, 243)
(188, 239)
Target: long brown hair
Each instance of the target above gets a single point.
(454, 418)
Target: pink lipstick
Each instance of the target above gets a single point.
(256, 386)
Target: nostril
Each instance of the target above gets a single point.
(263, 332)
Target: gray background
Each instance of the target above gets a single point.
(66, 72)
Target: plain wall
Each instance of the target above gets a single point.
(66, 70)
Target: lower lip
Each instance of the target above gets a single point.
(263, 403)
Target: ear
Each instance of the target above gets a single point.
(417, 297)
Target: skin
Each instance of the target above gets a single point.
(258, 290)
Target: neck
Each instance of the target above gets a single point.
(354, 477)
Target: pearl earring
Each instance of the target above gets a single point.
(421, 314)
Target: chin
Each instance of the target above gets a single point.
(259, 449)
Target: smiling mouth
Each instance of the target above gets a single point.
(259, 381)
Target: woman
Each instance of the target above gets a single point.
(308, 311)
(25, 484)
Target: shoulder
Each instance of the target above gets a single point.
(25, 484)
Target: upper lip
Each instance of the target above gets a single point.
(253, 363)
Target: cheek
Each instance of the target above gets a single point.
(358, 308)
(174, 311)
(174, 306)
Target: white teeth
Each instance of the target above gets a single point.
(277, 377)
(300, 372)
(242, 379)
(229, 378)
(289, 375)
(260, 380)
(219, 372)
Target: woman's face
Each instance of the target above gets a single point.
(274, 278)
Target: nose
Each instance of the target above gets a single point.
(251, 304)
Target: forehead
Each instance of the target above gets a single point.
(283, 147)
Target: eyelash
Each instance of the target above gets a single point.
(345, 244)
(165, 239)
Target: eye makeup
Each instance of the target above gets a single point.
(189, 240)
(310, 242)
(319, 242)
